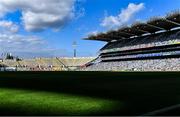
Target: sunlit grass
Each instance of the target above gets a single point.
(36, 102)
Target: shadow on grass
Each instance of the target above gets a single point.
(141, 92)
(28, 102)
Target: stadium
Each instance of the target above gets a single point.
(136, 72)
(45, 64)
(150, 46)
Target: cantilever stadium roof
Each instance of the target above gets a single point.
(169, 22)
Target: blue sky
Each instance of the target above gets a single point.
(48, 31)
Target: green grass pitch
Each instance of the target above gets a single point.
(46, 103)
(87, 93)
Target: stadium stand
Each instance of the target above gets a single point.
(75, 63)
(138, 65)
(45, 64)
(150, 46)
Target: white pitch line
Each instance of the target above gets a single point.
(162, 110)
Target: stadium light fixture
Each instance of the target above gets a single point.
(74, 45)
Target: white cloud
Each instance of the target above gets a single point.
(124, 16)
(38, 15)
(80, 13)
(21, 44)
(9, 26)
(27, 46)
(17, 42)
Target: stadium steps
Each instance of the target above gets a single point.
(61, 63)
(19, 64)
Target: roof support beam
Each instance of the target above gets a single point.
(172, 22)
(141, 28)
(126, 33)
(100, 39)
(160, 28)
(115, 35)
(143, 31)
